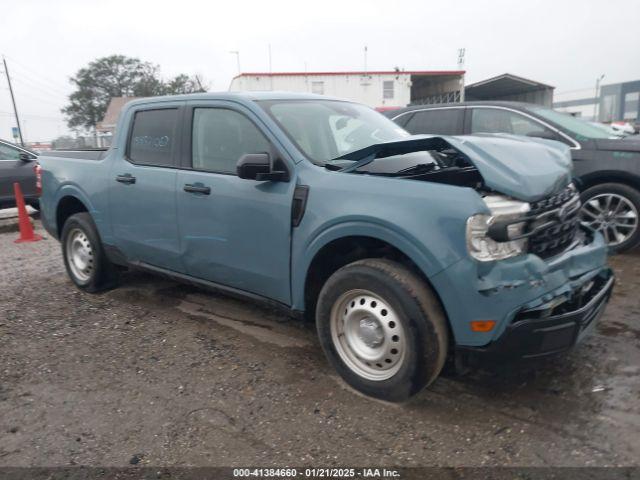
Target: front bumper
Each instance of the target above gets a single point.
(554, 326)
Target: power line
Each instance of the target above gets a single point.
(33, 71)
(32, 84)
(40, 94)
(40, 99)
(38, 117)
(2, 112)
(42, 83)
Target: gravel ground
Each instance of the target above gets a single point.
(157, 373)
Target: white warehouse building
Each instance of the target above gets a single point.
(378, 89)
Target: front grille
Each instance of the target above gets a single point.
(554, 223)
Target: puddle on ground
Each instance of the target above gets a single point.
(259, 332)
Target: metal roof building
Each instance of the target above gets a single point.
(379, 89)
(510, 87)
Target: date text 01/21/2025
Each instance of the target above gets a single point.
(315, 473)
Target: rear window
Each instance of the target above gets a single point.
(438, 121)
(153, 136)
(9, 153)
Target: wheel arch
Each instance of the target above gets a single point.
(341, 250)
(68, 205)
(609, 176)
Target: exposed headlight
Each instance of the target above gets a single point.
(486, 249)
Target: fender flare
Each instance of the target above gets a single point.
(75, 191)
(404, 242)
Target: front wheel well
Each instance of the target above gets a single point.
(342, 251)
(68, 206)
(599, 178)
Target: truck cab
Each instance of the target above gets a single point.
(405, 250)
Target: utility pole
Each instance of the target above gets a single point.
(270, 70)
(202, 89)
(461, 52)
(13, 100)
(597, 98)
(237, 54)
(365, 60)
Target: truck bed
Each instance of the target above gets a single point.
(88, 154)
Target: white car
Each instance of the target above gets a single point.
(623, 127)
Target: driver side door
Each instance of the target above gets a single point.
(234, 232)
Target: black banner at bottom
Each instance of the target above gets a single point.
(342, 473)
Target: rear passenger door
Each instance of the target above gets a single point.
(234, 232)
(436, 121)
(142, 187)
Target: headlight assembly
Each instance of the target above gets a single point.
(485, 247)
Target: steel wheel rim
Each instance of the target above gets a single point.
(615, 216)
(80, 255)
(368, 335)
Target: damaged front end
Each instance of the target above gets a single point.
(521, 168)
(531, 206)
(531, 270)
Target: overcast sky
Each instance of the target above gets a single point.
(564, 43)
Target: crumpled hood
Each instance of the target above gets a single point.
(523, 168)
(526, 169)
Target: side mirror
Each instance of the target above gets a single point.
(259, 166)
(25, 157)
(546, 134)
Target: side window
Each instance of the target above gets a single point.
(403, 119)
(438, 121)
(152, 137)
(387, 89)
(9, 153)
(317, 88)
(221, 136)
(493, 120)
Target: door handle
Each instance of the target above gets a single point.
(126, 178)
(197, 188)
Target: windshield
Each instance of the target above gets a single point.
(581, 129)
(329, 129)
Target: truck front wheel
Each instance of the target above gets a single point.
(382, 328)
(84, 258)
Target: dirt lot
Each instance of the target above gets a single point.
(158, 373)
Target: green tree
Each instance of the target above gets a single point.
(118, 76)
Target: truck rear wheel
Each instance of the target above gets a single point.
(84, 257)
(382, 329)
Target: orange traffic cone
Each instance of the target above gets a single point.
(26, 230)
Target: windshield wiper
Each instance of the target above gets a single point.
(360, 163)
(418, 168)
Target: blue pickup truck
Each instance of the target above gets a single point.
(405, 250)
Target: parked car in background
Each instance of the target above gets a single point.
(607, 170)
(404, 250)
(17, 164)
(611, 132)
(625, 128)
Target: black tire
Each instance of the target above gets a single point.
(102, 273)
(35, 205)
(415, 306)
(631, 195)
